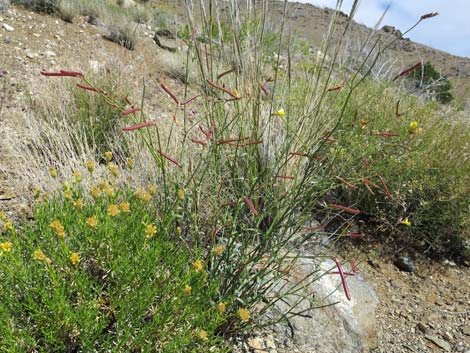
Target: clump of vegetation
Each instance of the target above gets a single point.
(45, 6)
(427, 80)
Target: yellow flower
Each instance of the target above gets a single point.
(130, 163)
(58, 228)
(152, 189)
(6, 246)
(179, 230)
(92, 222)
(3, 216)
(67, 194)
(235, 93)
(108, 190)
(36, 193)
(95, 192)
(197, 265)
(141, 194)
(413, 128)
(187, 290)
(221, 307)
(180, 193)
(202, 335)
(406, 222)
(244, 314)
(53, 172)
(75, 258)
(8, 226)
(90, 165)
(113, 169)
(113, 210)
(108, 155)
(78, 204)
(102, 184)
(150, 230)
(280, 113)
(218, 250)
(77, 176)
(124, 207)
(40, 256)
(364, 122)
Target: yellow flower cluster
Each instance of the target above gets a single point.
(113, 169)
(90, 165)
(95, 192)
(125, 207)
(53, 172)
(180, 193)
(108, 155)
(58, 228)
(218, 250)
(75, 258)
(187, 290)
(150, 230)
(92, 222)
(77, 176)
(113, 210)
(40, 256)
(143, 195)
(6, 246)
(244, 314)
(221, 307)
(78, 204)
(197, 265)
(8, 226)
(130, 163)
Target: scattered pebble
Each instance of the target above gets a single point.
(406, 264)
(7, 27)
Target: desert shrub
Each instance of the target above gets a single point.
(46, 6)
(104, 273)
(421, 157)
(428, 80)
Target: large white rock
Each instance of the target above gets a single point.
(7, 27)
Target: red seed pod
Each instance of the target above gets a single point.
(343, 278)
(167, 157)
(345, 209)
(336, 88)
(251, 206)
(138, 126)
(131, 111)
(167, 90)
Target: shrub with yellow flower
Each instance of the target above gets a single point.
(95, 192)
(125, 207)
(142, 195)
(221, 307)
(53, 172)
(58, 228)
(77, 176)
(150, 230)
(36, 193)
(113, 169)
(67, 193)
(202, 335)
(90, 166)
(6, 246)
(152, 189)
(187, 290)
(108, 155)
(244, 314)
(218, 250)
(109, 191)
(78, 204)
(3, 216)
(130, 163)
(75, 258)
(113, 210)
(8, 226)
(281, 112)
(180, 193)
(40, 256)
(413, 128)
(92, 222)
(197, 265)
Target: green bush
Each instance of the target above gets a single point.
(429, 80)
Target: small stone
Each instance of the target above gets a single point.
(466, 330)
(406, 264)
(32, 55)
(37, 35)
(256, 343)
(7, 27)
(423, 328)
(439, 342)
(49, 53)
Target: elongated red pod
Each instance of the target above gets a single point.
(167, 157)
(345, 209)
(191, 99)
(62, 73)
(138, 126)
(343, 278)
(251, 206)
(223, 89)
(407, 71)
(88, 88)
(285, 177)
(199, 142)
(167, 90)
(130, 111)
(336, 88)
(347, 183)
(356, 235)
